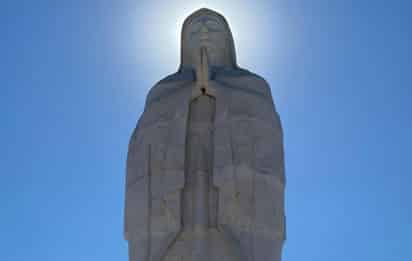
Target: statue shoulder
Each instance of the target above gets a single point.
(241, 73)
(168, 85)
(244, 80)
(182, 75)
(257, 79)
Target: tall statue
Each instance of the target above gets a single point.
(205, 168)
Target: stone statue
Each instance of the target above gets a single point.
(205, 169)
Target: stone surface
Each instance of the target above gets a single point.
(205, 169)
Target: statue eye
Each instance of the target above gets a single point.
(195, 28)
(211, 24)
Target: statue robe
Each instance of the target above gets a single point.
(248, 166)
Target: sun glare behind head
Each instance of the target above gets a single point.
(162, 23)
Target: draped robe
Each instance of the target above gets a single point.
(247, 167)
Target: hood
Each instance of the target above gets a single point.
(229, 56)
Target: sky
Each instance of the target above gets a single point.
(75, 74)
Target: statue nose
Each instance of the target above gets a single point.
(204, 29)
(204, 33)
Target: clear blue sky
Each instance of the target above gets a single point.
(71, 95)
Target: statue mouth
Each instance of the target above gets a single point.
(208, 45)
(204, 36)
(205, 43)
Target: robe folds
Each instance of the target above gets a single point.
(248, 166)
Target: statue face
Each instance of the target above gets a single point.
(210, 32)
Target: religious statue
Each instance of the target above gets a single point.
(205, 168)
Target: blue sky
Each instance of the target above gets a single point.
(74, 77)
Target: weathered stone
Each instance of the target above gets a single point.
(205, 169)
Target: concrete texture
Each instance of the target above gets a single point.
(205, 169)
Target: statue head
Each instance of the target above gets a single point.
(209, 29)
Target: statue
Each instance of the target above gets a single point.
(205, 169)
